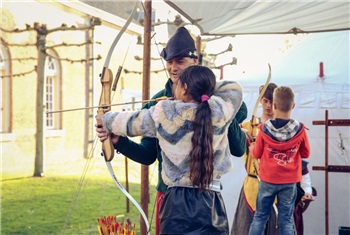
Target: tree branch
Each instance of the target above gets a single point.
(21, 59)
(18, 74)
(41, 28)
(73, 61)
(139, 72)
(73, 44)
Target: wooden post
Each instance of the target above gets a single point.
(39, 136)
(199, 48)
(145, 96)
(328, 168)
(89, 90)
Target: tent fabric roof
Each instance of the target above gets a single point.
(264, 17)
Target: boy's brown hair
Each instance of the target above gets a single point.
(283, 97)
(269, 91)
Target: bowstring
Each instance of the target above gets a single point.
(113, 93)
(127, 51)
(155, 199)
(156, 143)
(90, 155)
(80, 184)
(155, 42)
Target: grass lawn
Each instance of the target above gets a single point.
(66, 201)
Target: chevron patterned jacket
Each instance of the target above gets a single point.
(171, 122)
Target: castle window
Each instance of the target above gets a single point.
(52, 92)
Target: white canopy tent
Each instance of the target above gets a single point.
(231, 17)
(300, 69)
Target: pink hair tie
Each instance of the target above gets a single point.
(204, 98)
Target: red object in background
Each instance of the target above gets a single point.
(321, 75)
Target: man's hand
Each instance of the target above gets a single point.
(307, 197)
(248, 135)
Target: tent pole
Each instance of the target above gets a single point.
(145, 95)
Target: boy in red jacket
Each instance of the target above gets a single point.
(280, 146)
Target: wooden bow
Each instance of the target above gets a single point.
(255, 120)
(104, 106)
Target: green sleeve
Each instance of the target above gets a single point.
(242, 113)
(236, 137)
(144, 152)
